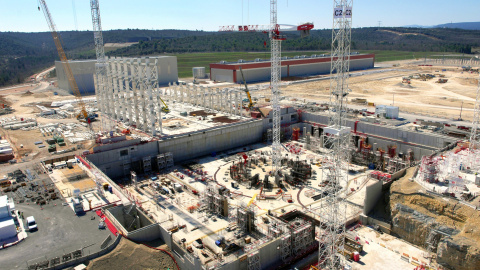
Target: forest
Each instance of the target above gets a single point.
(23, 54)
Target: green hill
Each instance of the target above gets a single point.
(22, 54)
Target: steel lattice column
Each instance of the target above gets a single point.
(474, 136)
(336, 138)
(275, 44)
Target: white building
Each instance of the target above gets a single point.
(83, 71)
(387, 111)
(8, 228)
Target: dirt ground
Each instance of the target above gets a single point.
(23, 99)
(129, 255)
(445, 211)
(427, 97)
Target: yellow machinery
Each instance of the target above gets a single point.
(165, 108)
(83, 116)
(250, 102)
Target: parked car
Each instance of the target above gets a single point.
(31, 224)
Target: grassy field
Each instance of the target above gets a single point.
(187, 61)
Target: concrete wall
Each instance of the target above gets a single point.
(269, 254)
(147, 233)
(165, 235)
(112, 163)
(384, 227)
(188, 146)
(82, 71)
(184, 259)
(167, 69)
(183, 147)
(373, 192)
(324, 68)
(258, 74)
(89, 257)
(222, 75)
(421, 143)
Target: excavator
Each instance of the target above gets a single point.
(83, 116)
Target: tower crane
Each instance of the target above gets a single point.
(276, 48)
(83, 115)
(474, 135)
(305, 28)
(101, 65)
(336, 138)
(273, 29)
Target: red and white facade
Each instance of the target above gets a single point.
(256, 71)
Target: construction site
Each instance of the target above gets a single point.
(351, 164)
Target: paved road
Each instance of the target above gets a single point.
(59, 232)
(43, 73)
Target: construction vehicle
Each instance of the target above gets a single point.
(406, 80)
(250, 102)
(165, 108)
(126, 131)
(83, 116)
(440, 80)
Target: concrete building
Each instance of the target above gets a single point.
(387, 111)
(83, 71)
(7, 224)
(259, 70)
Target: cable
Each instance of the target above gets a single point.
(75, 14)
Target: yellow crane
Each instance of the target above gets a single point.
(165, 108)
(83, 116)
(250, 102)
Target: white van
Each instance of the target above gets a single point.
(31, 224)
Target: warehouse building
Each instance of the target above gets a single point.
(259, 70)
(83, 71)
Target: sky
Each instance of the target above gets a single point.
(208, 15)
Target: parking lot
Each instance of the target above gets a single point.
(60, 232)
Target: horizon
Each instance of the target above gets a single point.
(209, 15)
(213, 31)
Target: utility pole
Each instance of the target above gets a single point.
(461, 109)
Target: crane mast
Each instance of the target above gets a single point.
(101, 65)
(64, 60)
(474, 136)
(275, 45)
(336, 138)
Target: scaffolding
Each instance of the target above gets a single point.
(429, 169)
(336, 137)
(226, 100)
(128, 92)
(286, 247)
(253, 259)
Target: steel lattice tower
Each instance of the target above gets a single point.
(336, 138)
(101, 65)
(275, 43)
(474, 136)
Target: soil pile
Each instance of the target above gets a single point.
(129, 255)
